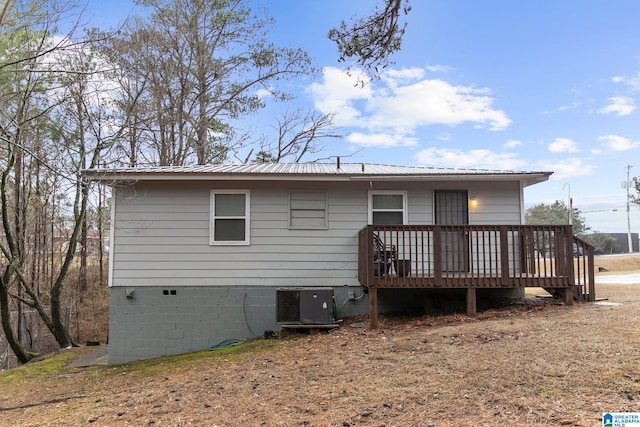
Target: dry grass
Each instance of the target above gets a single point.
(536, 363)
(617, 264)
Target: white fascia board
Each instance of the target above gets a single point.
(526, 179)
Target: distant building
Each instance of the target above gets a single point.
(61, 241)
(621, 245)
(622, 242)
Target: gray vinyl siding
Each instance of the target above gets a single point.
(498, 203)
(161, 234)
(162, 239)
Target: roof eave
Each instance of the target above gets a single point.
(527, 178)
(190, 176)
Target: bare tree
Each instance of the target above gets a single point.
(37, 179)
(23, 109)
(298, 134)
(84, 130)
(203, 64)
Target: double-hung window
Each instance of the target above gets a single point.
(387, 207)
(230, 217)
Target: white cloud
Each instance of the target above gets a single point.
(439, 68)
(263, 93)
(512, 143)
(339, 93)
(566, 168)
(429, 102)
(572, 106)
(380, 140)
(632, 82)
(619, 105)
(403, 100)
(473, 159)
(618, 143)
(563, 145)
(393, 76)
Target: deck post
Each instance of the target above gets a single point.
(591, 282)
(567, 295)
(373, 307)
(437, 256)
(504, 256)
(471, 301)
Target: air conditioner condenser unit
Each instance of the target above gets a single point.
(304, 306)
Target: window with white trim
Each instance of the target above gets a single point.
(229, 217)
(387, 207)
(308, 210)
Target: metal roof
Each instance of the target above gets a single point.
(308, 171)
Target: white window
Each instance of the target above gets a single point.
(387, 207)
(308, 210)
(229, 217)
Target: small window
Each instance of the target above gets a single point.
(308, 210)
(387, 207)
(229, 217)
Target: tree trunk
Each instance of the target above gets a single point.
(82, 274)
(59, 330)
(23, 355)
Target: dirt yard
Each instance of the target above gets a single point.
(535, 363)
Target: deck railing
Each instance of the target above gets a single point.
(476, 256)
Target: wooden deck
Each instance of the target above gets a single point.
(475, 256)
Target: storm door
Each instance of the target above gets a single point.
(452, 208)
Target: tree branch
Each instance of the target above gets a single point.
(373, 39)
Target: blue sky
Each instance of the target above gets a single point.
(492, 84)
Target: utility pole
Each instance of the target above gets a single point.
(569, 205)
(628, 185)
